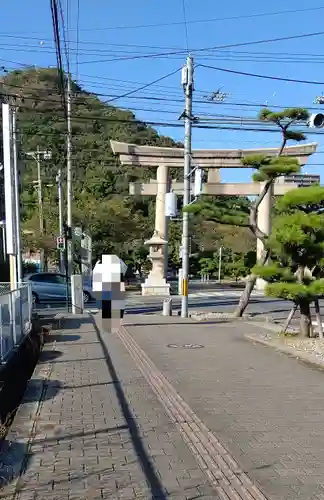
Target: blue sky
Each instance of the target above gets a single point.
(107, 32)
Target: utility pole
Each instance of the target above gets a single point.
(40, 205)
(69, 178)
(36, 155)
(219, 263)
(60, 206)
(187, 81)
(19, 268)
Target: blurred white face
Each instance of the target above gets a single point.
(111, 269)
(106, 273)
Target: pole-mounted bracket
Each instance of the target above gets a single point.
(193, 201)
(192, 118)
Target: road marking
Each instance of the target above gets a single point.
(147, 302)
(225, 293)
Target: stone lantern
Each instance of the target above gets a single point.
(155, 283)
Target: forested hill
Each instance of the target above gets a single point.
(100, 185)
(117, 222)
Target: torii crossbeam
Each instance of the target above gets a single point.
(211, 160)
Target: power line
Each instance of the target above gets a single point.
(51, 50)
(77, 40)
(267, 77)
(221, 54)
(171, 125)
(163, 99)
(66, 43)
(6, 36)
(185, 24)
(206, 117)
(157, 99)
(217, 19)
(144, 86)
(56, 32)
(204, 49)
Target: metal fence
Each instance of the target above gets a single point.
(5, 288)
(15, 316)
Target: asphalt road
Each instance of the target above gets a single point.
(258, 306)
(200, 299)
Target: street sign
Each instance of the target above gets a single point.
(60, 243)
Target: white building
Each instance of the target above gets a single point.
(299, 179)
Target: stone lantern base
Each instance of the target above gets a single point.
(260, 284)
(158, 287)
(155, 284)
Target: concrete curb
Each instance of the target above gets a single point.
(14, 453)
(302, 357)
(269, 325)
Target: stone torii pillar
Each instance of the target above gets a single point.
(161, 221)
(264, 221)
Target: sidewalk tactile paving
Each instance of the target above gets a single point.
(229, 481)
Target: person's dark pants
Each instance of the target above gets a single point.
(107, 312)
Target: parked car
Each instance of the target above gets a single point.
(51, 287)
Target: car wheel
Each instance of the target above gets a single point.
(34, 298)
(86, 297)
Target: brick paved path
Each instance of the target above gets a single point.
(100, 431)
(128, 416)
(266, 408)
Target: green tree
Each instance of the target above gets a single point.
(267, 170)
(141, 259)
(297, 248)
(237, 269)
(101, 201)
(208, 265)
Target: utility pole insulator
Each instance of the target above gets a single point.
(184, 76)
(198, 182)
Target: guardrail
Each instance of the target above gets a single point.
(15, 316)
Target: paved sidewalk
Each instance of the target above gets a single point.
(265, 408)
(99, 431)
(171, 409)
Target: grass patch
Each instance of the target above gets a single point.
(288, 333)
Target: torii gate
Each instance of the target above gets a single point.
(211, 160)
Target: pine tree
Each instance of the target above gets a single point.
(296, 245)
(267, 170)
